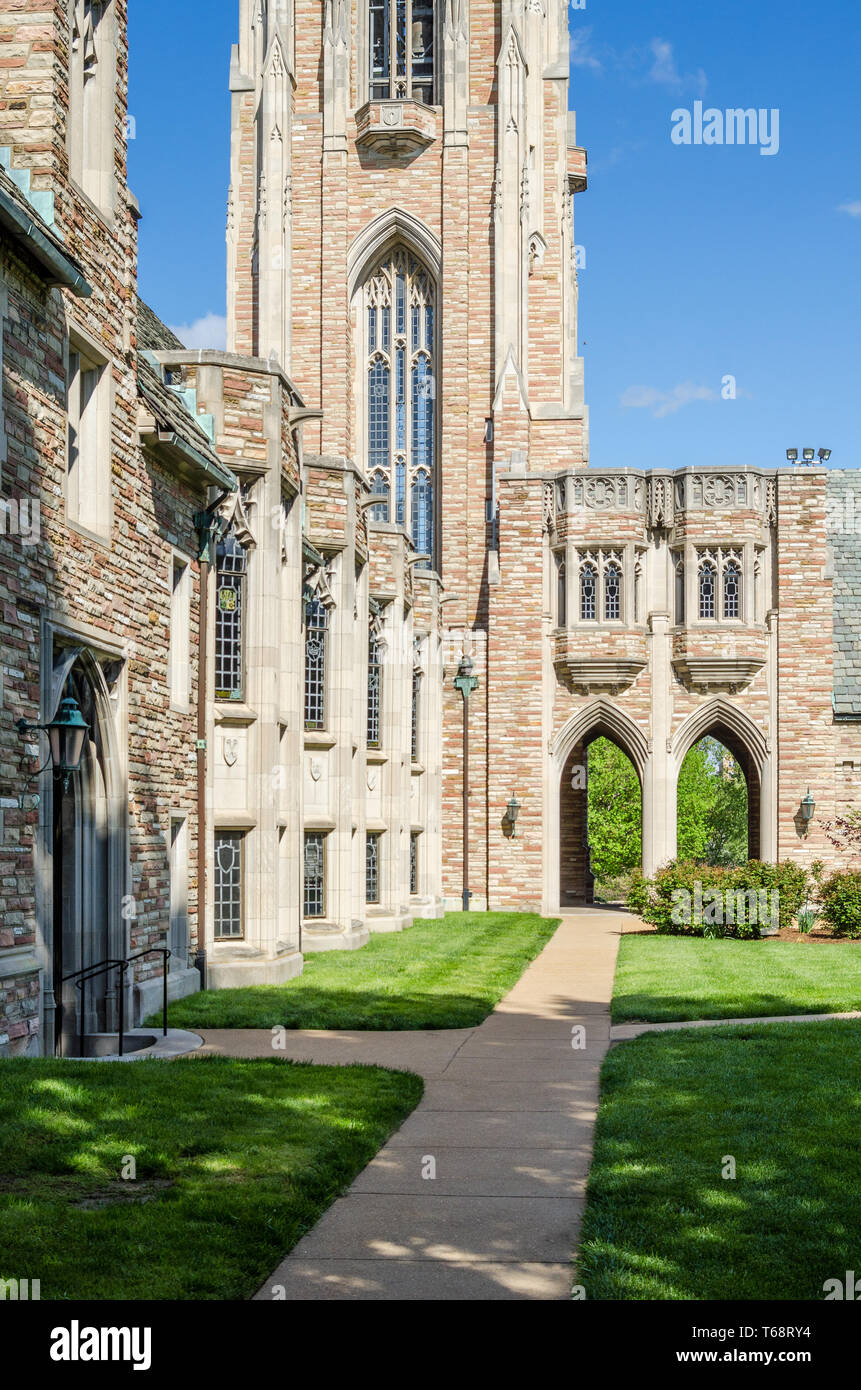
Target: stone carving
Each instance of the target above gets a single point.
(231, 751)
(549, 507)
(661, 510)
(315, 767)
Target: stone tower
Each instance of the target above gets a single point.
(401, 239)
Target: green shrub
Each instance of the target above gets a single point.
(841, 902)
(686, 898)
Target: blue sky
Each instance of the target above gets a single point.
(702, 262)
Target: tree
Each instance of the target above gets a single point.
(712, 806)
(615, 811)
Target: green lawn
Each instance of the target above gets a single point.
(662, 978)
(785, 1101)
(235, 1161)
(437, 974)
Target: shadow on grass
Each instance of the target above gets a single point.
(663, 1222)
(234, 1161)
(437, 974)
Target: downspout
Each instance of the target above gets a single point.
(466, 682)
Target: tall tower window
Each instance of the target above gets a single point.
(230, 565)
(401, 36)
(316, 634)
(402, 394)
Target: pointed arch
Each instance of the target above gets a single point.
(599, 718)
(394, 225)
(717, 716)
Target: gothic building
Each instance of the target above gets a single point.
(401, 238)
(338, 610)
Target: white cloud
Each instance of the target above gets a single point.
(210, 331)
(851, 209)
(582, 52)
(665, 71)
(664, 66)
(663, 403)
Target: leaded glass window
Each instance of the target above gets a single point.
(414, 732)
(375, 677)
(316, 642)
(401, 50)
(707, 584)
(228, 885)
(230, 570)
(732, 590)
(612, 593)
(414, 862)
(372, 868)
(400, 361)
(588, 593)
(561, 592)
(315, 875)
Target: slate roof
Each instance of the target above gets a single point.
(24, 223)
(843, 500)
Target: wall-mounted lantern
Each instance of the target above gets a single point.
(66, 734)
(512, 811)
(808, 806)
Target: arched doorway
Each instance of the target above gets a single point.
(601, 818)
(620, 754)
(730, 728)
(88, 869)
(713, 806)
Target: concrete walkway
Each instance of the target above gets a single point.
(505, 1126)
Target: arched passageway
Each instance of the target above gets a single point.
(713, 805)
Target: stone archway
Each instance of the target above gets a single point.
(736, 731)
(566, 866)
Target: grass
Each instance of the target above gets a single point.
(235, 1161)
(663, 978)
(438, 974)
(785, 1101)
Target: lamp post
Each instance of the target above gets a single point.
(465, 681)
(67, 732)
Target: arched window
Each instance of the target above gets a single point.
(707, 585)
(732, 589)
(401, 50)
(231, 562)
(680, 592)
(588, 593)
(400, 361)
(612, 592)
(316, 630)
(561, 592)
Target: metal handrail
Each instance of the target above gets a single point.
(102, 967)
(157, 951)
